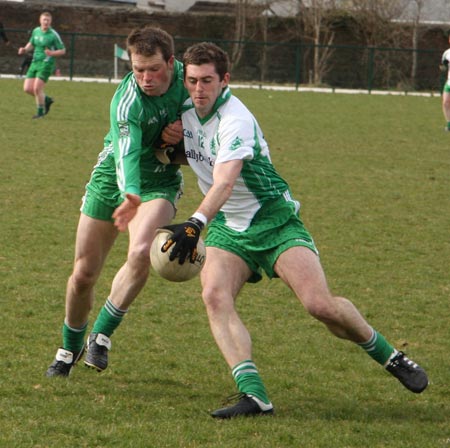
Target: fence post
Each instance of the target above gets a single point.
(370, 68)
(72, 55)
(298, 64)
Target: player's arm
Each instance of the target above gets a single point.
(26, 49)
(224, 178)
(55, 53)
(57, 48)
(29, 47)
(127, 142)
(186, 235)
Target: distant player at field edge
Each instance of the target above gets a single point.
(47, 45)
(444, 66)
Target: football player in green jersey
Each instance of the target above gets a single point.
(47, 45)
(254, 226)
(127, 181)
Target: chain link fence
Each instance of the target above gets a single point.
(348, 67)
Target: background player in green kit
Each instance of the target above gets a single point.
(128, 180)
(47, 45)
(254, 226)
(444, 66)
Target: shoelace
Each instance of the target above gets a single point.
(396, 362)
(233, 398)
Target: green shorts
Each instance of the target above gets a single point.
(447, 87)
(275, 228)
(103, 196)
(41, 69)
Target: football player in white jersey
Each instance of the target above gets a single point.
(444, 66)
(254, 226)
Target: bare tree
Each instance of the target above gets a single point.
(240, 26)
(415, 37)
(251, 17)
(376, 20)
(315, 17)
(377, 26)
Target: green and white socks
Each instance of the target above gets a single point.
(249, 382)
(108, 319)
(378, 348)
(73, 338)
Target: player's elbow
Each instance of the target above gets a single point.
(226, 187)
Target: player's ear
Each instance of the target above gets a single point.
(171, 62)
(226, 79)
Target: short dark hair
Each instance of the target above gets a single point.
(207, 53)
(147, 40)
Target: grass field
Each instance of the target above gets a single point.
(372, 174)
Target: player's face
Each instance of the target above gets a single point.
(153, 74)
(45, 22)
(204, 86)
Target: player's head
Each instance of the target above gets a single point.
(45, 20)
(206, 74)
(152, 59)
(148, 41)
(207, 53)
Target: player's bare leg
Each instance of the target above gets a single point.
(222, 278)
(35, 88)
(300, 269)
(129, 280)
(93, 243)
(446, 108)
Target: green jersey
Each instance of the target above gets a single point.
(43, 40)
(128, 163)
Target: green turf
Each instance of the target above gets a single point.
(372, 173)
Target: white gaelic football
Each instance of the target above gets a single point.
(172, 270)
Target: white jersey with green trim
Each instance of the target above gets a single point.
(231, 132)
(445, 60)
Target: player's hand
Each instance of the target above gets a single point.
(184, 240)
(126, 211)
(170, 143)
(172, 133)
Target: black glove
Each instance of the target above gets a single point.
(184, 240)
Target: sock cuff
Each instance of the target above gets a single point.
(113, 310)
(370, 344)
(247, 366)
(75, 330)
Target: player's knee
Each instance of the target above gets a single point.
(139, 261)
(322, 309)
(215, 300)
(82, 280)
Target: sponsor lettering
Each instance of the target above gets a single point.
(198, 157)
